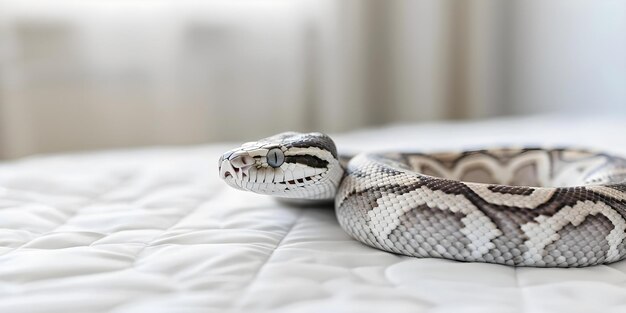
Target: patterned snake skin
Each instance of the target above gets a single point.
(468, 206)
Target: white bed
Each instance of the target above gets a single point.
(155, 230)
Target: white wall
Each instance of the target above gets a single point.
(95, 74)
(569, 55)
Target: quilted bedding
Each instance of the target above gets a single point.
(155, 230)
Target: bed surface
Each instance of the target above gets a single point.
(155, 230)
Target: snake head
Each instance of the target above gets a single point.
(291, 165)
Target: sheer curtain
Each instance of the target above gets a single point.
(88, 75)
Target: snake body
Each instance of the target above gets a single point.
(514, 206)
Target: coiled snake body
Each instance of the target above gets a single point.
(520, 207)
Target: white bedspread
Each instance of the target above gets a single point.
(155, 230)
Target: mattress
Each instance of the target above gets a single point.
(156, 230)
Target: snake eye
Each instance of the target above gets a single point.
(275, 157)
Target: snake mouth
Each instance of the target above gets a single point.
(227, 173)
(298, 180)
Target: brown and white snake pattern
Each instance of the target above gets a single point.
(514, 206)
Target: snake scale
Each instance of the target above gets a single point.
(514, 206)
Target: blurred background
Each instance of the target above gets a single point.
(78, 75)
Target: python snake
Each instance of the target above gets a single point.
(514, 206)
